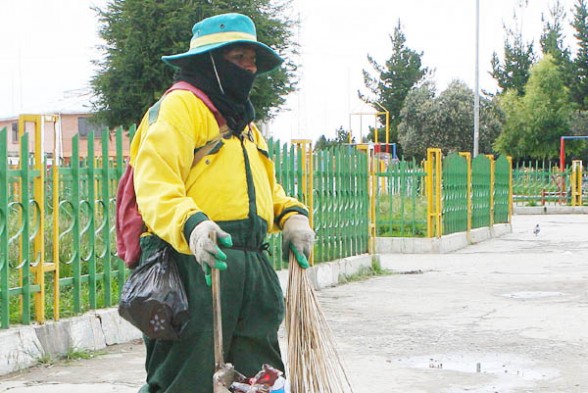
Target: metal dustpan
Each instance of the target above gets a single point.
(224, 374)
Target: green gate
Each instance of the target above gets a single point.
(455, 194)
(401, 203)
(481, 191)
(341, 203)
(502, 190)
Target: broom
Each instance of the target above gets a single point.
(314, 365)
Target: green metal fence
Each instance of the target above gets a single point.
(401, 204)
(90, 269)
(473, 194)
(481, 191)
(502, 190)
(70, 266)
(80, 247)
(341, 203)
(455, 194)
(540, 183)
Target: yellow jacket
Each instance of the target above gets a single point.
(234, 182)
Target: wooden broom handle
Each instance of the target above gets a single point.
(217, 317)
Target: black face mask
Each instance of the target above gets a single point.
(232, 100)
(235, 81)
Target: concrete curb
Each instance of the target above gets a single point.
(25, 346)
(548, 209)
(442, 245)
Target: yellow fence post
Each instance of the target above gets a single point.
(433, 186)
(39, 267)
(576, 182)
(39, 196)
(510, 193)
(372, 190)
(54, 266)
(492, 178)
(468, 158)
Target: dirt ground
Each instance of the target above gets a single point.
(509, 315)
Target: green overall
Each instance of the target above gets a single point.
(252, 310)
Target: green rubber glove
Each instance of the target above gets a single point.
(300, 258)
(298, 237)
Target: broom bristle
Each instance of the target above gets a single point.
(314, 366)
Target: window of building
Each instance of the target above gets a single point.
(87, 125)
(14, 132)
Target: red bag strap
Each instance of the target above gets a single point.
(183, 85)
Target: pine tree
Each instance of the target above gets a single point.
(518, 58)
(392, 81)
(579, 87)
(552, 41)
(136, 33)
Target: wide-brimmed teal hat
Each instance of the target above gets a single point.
(227, 29)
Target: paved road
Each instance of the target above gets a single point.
(507, 315)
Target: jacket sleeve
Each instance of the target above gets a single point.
(164, 152)
(285, 206)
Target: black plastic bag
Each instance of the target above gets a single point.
(154, 299)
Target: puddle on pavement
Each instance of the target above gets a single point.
(498, 364)
(532, 294)
(501, 365)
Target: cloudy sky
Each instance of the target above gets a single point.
(46, 49)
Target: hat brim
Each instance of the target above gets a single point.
(266, 58)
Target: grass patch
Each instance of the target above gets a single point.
(400, 216)
(46, 360)
(72, 355)
(364, 273)
(81, 354)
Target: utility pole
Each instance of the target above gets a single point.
(477, 95)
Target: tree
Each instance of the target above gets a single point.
(446, 121)
(491, 124)
(392, 81)
(371, 136)
(415, 129)
(578, 149)
(510, 140)
(136, 33)
(535, 122)
(322, 143)
(341, 138)
(513, 73)
(552, 41)
(579, 87)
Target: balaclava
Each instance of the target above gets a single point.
(228, 88)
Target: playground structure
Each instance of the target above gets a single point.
(385, 151)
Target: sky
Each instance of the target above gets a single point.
(47, 48)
